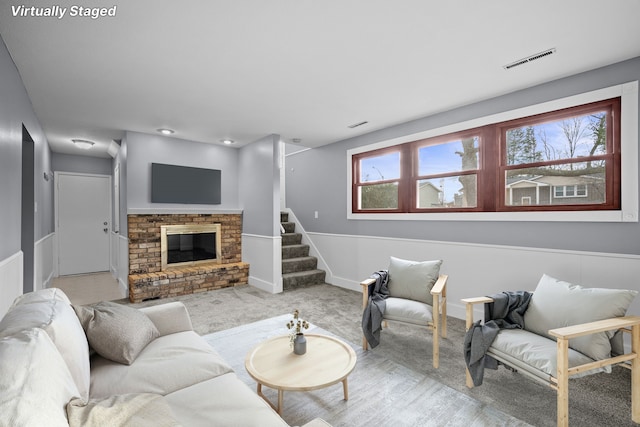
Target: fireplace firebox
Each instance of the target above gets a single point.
(184, 245)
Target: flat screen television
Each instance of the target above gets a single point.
(185, 184)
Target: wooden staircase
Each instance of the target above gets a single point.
(298, 268)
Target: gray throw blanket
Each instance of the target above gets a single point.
(374, 311)
(505, 312)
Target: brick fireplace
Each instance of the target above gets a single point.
(148, 280)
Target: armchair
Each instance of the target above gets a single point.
(569, 331)
(417, 295)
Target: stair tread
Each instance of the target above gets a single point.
(300, 258)
(303, 273)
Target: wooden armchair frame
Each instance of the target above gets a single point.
(560, 383)
(438, 325)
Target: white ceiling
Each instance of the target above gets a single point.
(242, 69)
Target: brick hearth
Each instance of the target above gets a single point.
(146, 278)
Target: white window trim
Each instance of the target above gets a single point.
(629, 168)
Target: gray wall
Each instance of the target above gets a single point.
(143, 149)
(80, 164)
(260, 186)
(316, 180)
(15, 109)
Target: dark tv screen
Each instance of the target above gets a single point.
(184, 184)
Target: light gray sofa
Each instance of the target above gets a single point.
(48, 376)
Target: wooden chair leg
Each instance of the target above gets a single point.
(468, 323)
(436, 332)
(563, 382)
(443, 317)
(635, 374)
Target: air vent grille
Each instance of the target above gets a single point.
(355, 125)
(529, 58)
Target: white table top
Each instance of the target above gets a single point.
(327, 361)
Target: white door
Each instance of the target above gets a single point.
(83, 214)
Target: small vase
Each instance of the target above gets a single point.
(300, 344)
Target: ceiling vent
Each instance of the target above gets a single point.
(529, 58)
(355, 125)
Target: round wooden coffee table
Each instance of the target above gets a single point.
(327, 361)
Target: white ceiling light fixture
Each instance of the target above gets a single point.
(83, 143)
(227, 141)
(165, 131)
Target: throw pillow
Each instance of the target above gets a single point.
(116, 332)
(556, 304)
(35, 381)
(413, 279)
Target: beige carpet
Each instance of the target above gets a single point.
(598, 400)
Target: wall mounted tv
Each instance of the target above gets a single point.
(184, 184)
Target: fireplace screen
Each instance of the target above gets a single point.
(189, 244)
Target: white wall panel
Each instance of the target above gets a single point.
(10, 281)
(474, 269)
(264, 255)
(43, 264)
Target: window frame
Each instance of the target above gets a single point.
(628, 165)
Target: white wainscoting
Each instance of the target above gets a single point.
(10, 281)
(43, 265)
(120, 260)
(264, 255)
(474, 269)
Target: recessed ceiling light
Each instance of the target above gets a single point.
(227, 141)
(165, 131)
(83, 143)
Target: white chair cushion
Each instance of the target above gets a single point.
(537, 351)
(50, 312)
(556, 304)
(404, 310)
(413, 279)
(35, 382)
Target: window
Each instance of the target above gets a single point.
(378, 181)
(563, 160)
(447, 172)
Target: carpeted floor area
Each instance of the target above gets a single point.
(381, 392)
(598, 400)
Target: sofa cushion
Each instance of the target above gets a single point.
(123, 410)
(167, 364)
(49, 311)
(408, 311)
(42, 295)
(556, 304)
(115, 331)
(35, 381)
(413, 279)
(222, 401)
